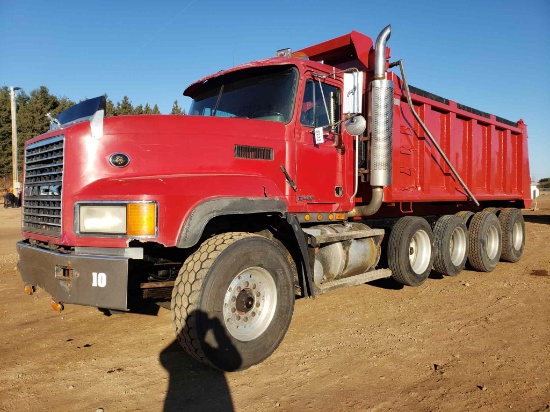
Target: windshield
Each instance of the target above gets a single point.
(265, 93)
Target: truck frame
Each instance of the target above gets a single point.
(291, 176)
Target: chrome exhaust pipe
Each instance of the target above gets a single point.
(380, 53)
(380, 127)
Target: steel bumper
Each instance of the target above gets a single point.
(90, 280)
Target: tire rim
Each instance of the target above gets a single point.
(249, 303)
(491, 243)
(420, 252)
(517, 236)
(457, 246)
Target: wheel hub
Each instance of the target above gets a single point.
(245, 301)
(249, 304)
(420, 251)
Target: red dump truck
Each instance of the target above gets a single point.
(291, 176)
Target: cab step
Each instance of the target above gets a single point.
(354, 280)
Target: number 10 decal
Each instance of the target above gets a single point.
(99, 279)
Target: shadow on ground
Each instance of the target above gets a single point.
(543, 219)
(194, 386)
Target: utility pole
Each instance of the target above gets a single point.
(14, 140)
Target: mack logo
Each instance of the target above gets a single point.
(46, 190)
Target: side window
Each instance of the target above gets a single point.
(314, 113)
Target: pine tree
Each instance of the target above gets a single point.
(155, 110)
(110, 109)
(5, 132)
(125, 107)
(176, 109)
(138, 109)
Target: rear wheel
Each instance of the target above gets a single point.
(485, 241)
(410, 256)
(451, 241)
(494, 210)
(465, 215)
(233, 300)
(513, 234)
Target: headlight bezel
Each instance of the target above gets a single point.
(80, 208)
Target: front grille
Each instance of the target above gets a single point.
(42, 187)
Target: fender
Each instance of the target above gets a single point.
(198, 218)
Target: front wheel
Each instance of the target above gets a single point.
(410, 254)
(233, 300)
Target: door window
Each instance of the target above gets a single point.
(320, 99)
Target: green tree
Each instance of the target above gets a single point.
(155, 110)
(147, 109)
(138, 109)
(125, 107)
(110, 109)
(5, 132)
(176, 109)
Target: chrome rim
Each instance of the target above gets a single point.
(420, 252)
(517, 236)
(249, 304)
(491, 242)
(457, 247)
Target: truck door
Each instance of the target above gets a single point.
(321, 163)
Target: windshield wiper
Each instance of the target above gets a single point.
(218, 101)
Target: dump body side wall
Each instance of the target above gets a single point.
(490, 156)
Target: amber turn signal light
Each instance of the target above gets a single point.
(58, 306)
(141, 219)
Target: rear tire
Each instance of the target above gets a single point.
(494, 210)
(466, 215)
(233, 300)
(485, 241)
(451, 245)
(513, 234)
(410, 251)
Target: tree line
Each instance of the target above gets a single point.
(544, 183)
(32, 120)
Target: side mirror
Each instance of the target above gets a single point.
(356, 125)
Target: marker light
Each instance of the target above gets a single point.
(141, 219)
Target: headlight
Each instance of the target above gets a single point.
(132, 219)
(103, 219)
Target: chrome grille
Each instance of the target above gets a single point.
(42, 188)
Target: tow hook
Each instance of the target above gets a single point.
(57, 306)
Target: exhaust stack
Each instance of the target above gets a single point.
(380, 126)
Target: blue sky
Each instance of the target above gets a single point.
(491, 55)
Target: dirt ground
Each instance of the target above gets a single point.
(473, 342)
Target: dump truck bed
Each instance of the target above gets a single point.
(488, 152)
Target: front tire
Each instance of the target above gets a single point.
(410, 252)
(233, 300)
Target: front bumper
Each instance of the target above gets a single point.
(90, 280)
